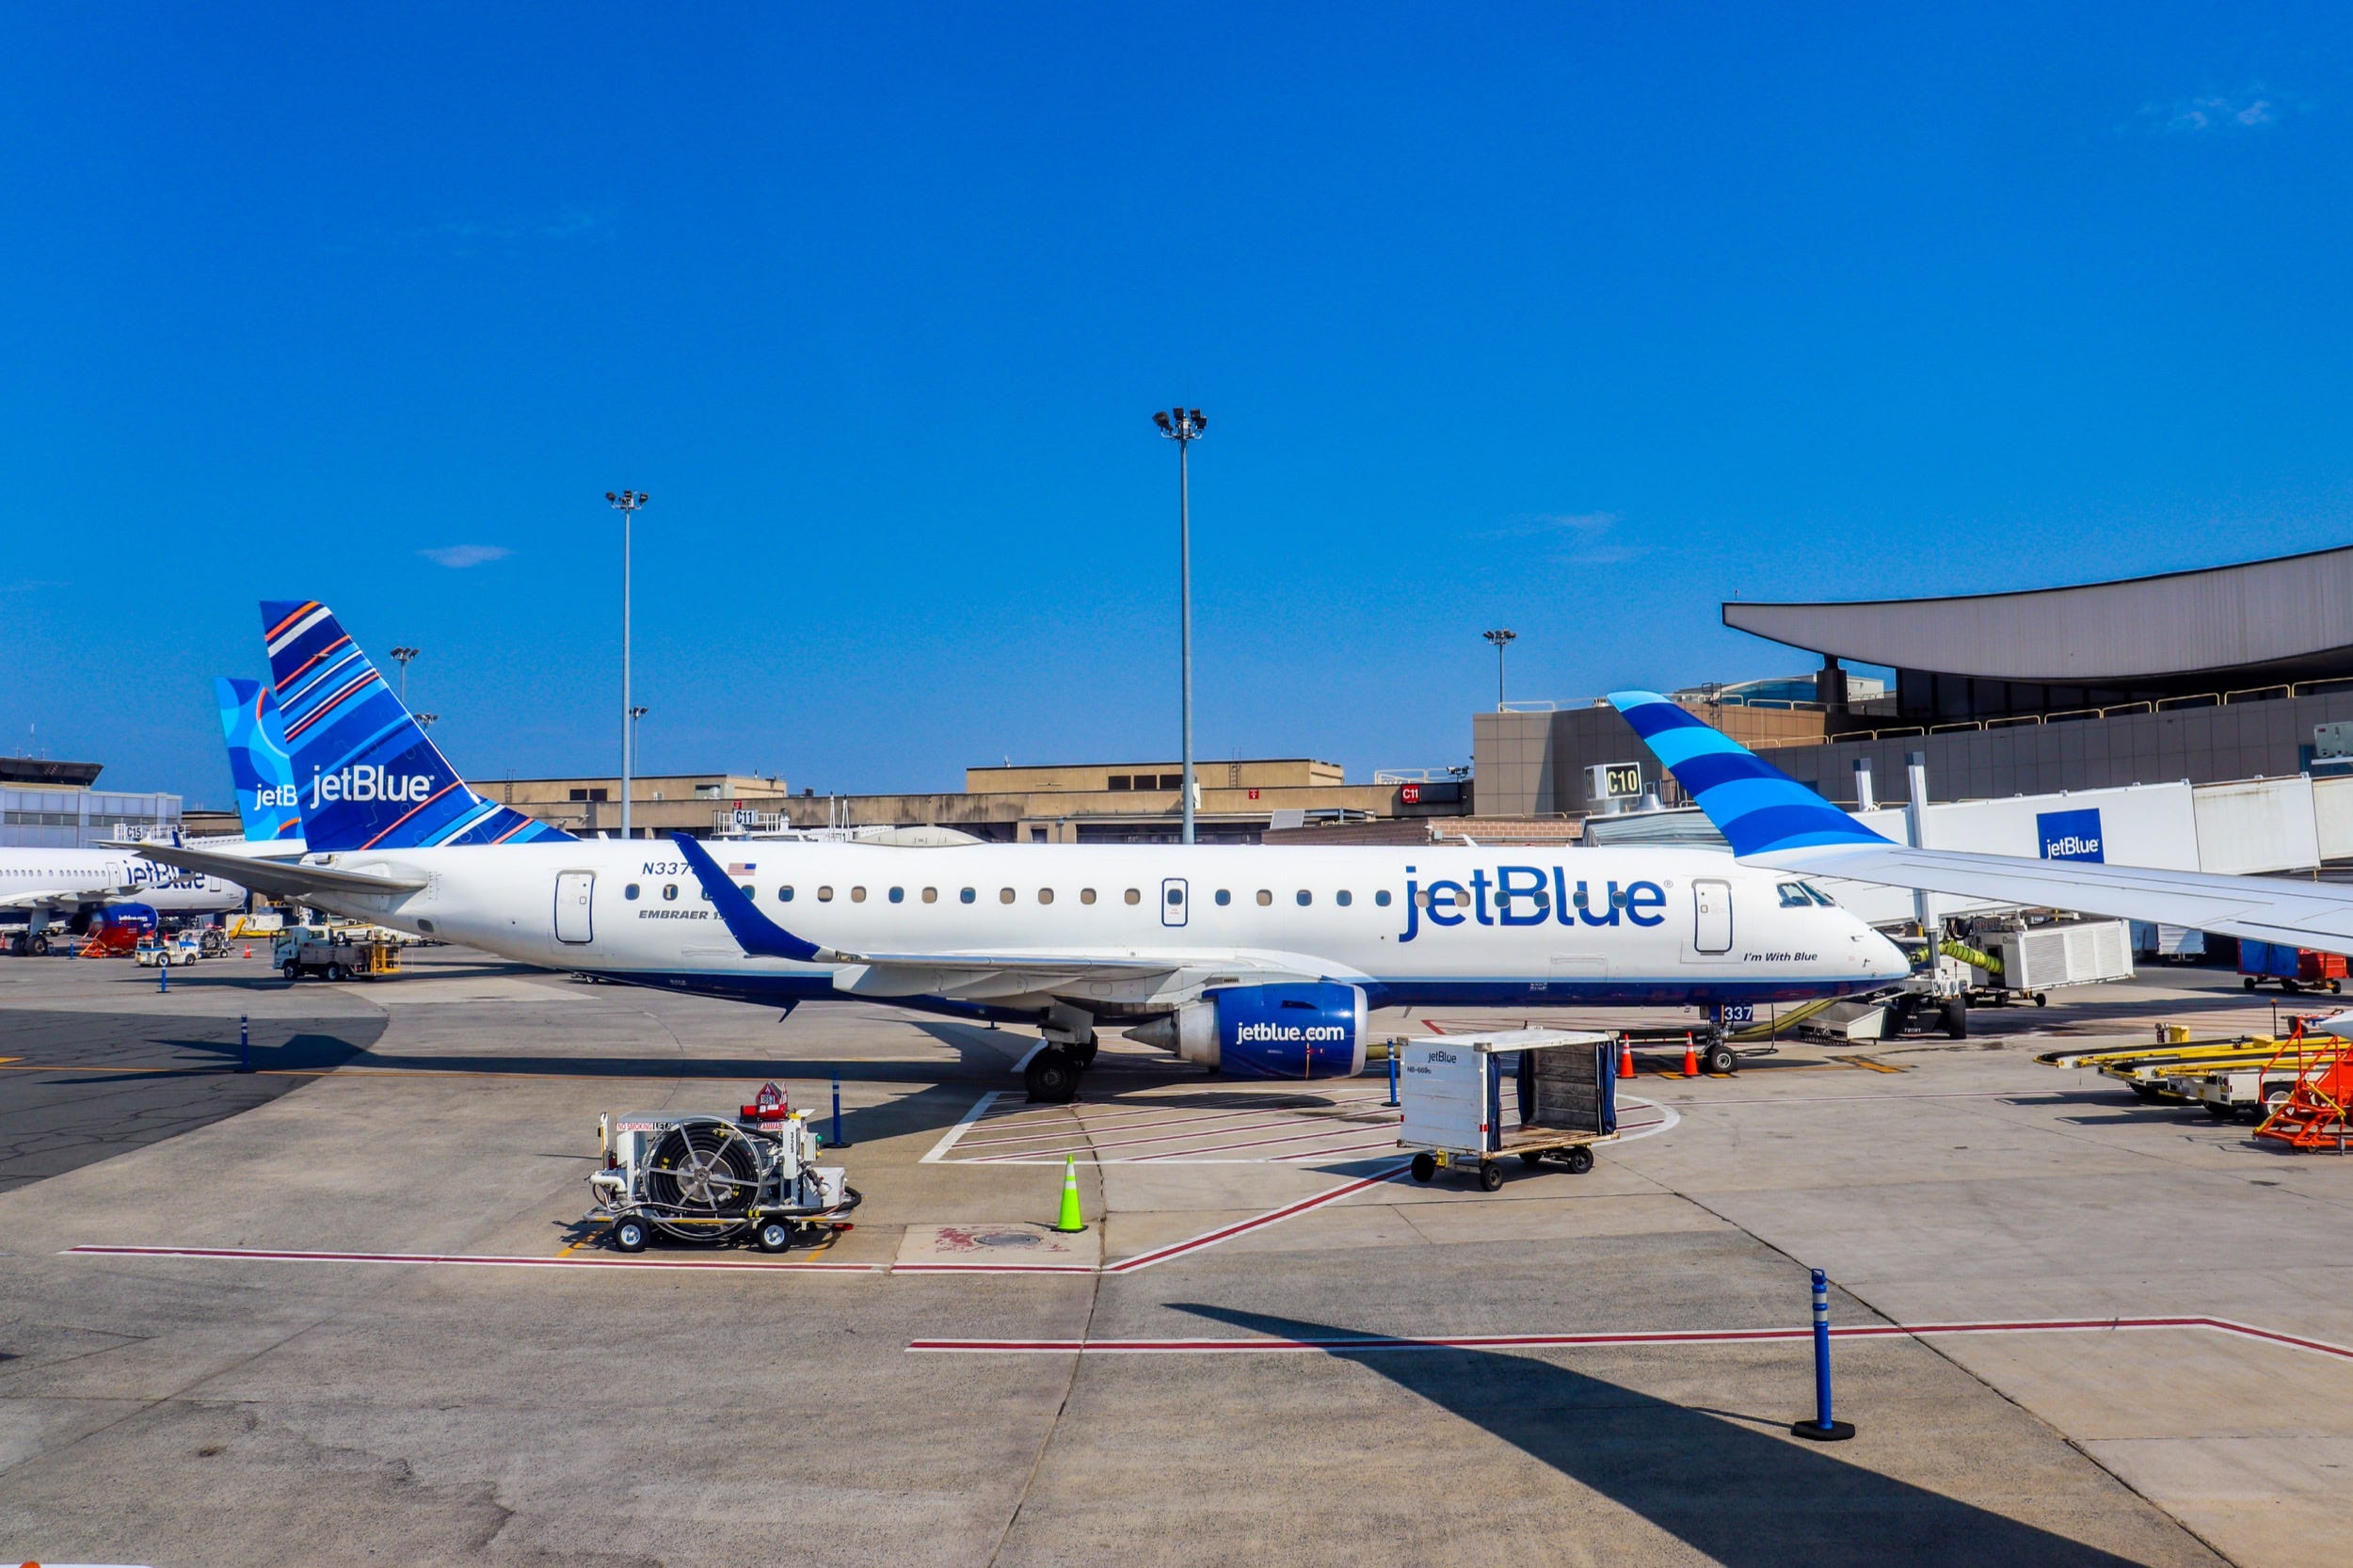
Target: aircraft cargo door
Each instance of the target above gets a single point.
(1711, 916)
(573, 892)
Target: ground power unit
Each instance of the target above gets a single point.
(718, 1178)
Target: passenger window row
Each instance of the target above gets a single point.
(1046, 895)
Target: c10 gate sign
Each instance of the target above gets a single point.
(1527, 895)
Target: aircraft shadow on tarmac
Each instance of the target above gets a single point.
(1745, 1497)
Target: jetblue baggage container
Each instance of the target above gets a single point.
(1541, 1093)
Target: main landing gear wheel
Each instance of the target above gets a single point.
(773, 1235)
(1720, 1058)
(1580, 1159)
(1425, 1167)
(1052, 1076)
(631, 1234)
(1490, 1175)
(1084, 1055)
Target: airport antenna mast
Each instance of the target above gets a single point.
(1184, 427)
(627, 504)
(1502, 636)
(401, 657)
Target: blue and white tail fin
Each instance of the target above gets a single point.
(1756, 806)
(267, 802)
(368, 777)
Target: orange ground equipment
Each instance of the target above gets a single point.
(2313, 1114)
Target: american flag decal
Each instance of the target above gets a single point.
(742, 867)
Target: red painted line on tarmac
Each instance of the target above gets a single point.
(1351, 1343)
(261, 1255)
(1226, 1233)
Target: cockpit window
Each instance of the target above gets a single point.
(1794, 896)
(1820, 897)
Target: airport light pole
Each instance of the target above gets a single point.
(425, 721)
(1502, 636)
(634, 714)
(1184, 428)
(401, 657)
(625, 503)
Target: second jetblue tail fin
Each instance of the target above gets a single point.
(368, 777)
(268, 801)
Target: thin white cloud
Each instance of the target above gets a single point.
(466, 554)
(1525, 525)
(2215, 112)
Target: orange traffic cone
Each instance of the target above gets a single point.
(1625, 1058)
(1691, 1057)
(249, 950)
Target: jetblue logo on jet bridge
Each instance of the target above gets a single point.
(369, 782)
(1523, 895)
(2071, 835)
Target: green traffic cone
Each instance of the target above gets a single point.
(1071, 1222)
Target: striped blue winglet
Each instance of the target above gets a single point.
(1753, 804)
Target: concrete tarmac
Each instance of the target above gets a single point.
(577, 1407)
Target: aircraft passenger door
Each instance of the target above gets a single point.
(573, 892)
(1173, 900)
(1711, 916)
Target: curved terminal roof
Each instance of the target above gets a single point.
(2291, 610)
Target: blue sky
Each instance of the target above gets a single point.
(1576, 320)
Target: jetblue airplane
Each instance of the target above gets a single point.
(269, 804)
(1775, 824)
(1256, 961)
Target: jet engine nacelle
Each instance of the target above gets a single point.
(139, 918)
(1289, 1032)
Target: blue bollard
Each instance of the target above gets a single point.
(163, 975)
(837, 1141)
(1821, 1428)
(1391, 1102)
(245, 1045)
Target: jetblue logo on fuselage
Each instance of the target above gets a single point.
(2071, 835)
(367, 782)
(1523, 895)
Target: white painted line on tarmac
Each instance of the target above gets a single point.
(947, 1139)
(1357, 1344)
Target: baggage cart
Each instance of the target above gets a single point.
(2295, 968)
(1470, 1100)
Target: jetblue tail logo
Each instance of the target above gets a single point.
(2071, 835)
(270, 803)
(1756, 806)
(372, 780)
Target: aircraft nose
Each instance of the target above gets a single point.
(1887, 960)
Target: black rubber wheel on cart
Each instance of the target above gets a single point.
(1425, 1167)
(2041, 1000)
(1580, 1159)
(1955, 1019)
(1490, 1175)
(337, 972)
(2336, 988)
(631, 1234)
(773, 1236)
(2290, 986)
(2248, 982)
(1532, 1158)
(2221, 1112)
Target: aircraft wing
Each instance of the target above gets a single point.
(1769, 819)
(286, 879)
(1127, 975)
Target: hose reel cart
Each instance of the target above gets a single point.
(1542, 1094)
(714, 1179)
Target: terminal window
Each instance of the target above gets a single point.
(589, 795)
(1121, 781)
(1172, 781)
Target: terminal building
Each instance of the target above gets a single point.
(2225, 673)
(46, 804)
(1139, 802)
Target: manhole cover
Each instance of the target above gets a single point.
(1005, 1239)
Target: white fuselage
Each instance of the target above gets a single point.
(1413, 926)
(63, 881)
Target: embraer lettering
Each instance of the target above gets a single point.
(368, 782)
(1524, 895)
